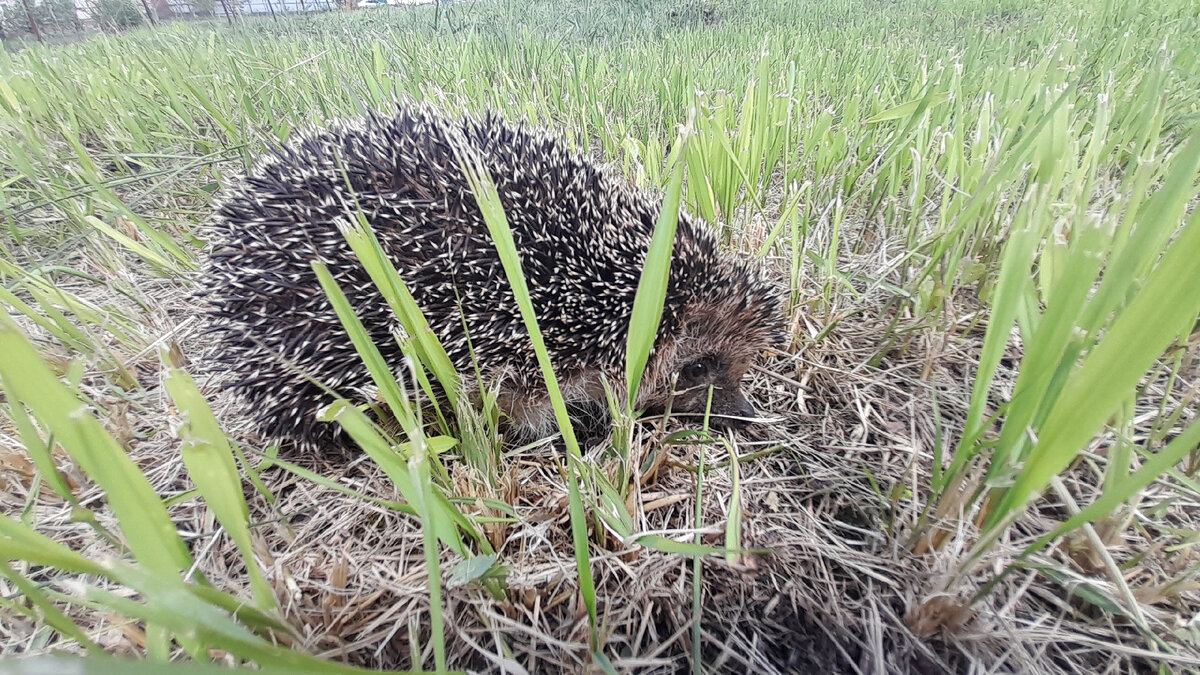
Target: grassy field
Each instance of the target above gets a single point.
(982, 453)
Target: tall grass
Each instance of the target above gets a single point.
(1038, 159)
(194, 614)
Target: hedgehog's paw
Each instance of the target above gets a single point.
(530, 416)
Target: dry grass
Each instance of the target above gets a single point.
(827, 490)
(831, 488)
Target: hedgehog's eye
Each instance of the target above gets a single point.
(695, 370)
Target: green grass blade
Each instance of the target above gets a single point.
(210, 463)
(1155, 466)
(38, 451)
(652, 285)
(381, 374)
(21, 542)
(497, 223)
(1161, 312)
(49, 614)
(395, 465)
(370, 253)
(148, 530)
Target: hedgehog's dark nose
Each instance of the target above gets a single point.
(734, 413)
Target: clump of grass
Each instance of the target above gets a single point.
(146, 554)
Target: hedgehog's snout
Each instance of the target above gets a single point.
(716, 372)
(732, 410)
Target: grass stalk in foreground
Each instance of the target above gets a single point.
(395, 292)
(211, 466)
(407, 466)
(150, 535)
(697, 564)
(652, 284)
(493, 214)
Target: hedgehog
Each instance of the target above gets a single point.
(582, 232)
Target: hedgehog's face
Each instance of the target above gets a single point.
(715, 348)
(697, 373)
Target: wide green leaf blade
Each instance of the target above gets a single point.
(148, 529)
(211, 465)
(652, 285)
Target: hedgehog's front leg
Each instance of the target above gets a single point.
(528, 414)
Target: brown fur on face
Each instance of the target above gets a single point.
(715, 349)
